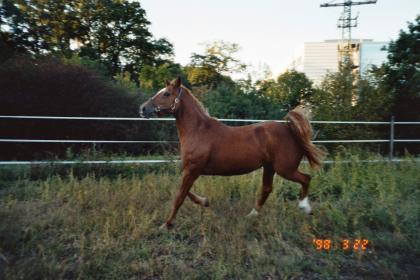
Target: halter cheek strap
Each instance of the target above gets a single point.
(176, 100)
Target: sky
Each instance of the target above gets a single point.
(269, 32)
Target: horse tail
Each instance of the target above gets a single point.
(302, 130)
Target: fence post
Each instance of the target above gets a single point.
(391, 138)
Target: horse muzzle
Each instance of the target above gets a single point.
(146, 110)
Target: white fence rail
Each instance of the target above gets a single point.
(151, 161)
(165, 142)
(82, 141)
(172, 119)
(391, 139)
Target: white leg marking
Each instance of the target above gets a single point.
(253, 213)
(304, 204)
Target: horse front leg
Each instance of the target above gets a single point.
(203, 201)
(188, 179)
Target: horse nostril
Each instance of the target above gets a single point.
(144, 109)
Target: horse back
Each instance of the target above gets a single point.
(242, 149)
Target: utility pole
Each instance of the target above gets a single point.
(346, 22)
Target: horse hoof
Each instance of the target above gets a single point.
(253, 213)
(305, 206)
(166, 226)
(206, 203)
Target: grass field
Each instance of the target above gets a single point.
(99, 227)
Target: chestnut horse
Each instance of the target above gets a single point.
(209, 147)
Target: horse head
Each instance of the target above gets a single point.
(166, 101)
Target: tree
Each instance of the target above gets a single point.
(402, 80)
(214, 66)
(41, 27)
(113, 32)
(118, 35)
(152, 78)
(403, 73)
(291, 88)
(374, 101)
(346, 96)
(232, 102)
(7, 46)
(333, 99)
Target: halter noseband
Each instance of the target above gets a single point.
(171, 108)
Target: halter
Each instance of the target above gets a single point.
(171, 108)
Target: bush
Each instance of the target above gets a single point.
(48, 87)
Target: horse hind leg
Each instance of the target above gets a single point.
(266, 189)
(304, 180)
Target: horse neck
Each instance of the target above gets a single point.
(189, 116)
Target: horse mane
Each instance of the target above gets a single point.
(199, 106)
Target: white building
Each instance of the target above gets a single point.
(316, 59)
(372, 53)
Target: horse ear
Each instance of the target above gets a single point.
(178, 82)
(167, 82)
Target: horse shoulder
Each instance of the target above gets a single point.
(195, 154)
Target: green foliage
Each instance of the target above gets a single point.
(232, 102)
(102, 228)
(333, 100)
(402, 79)
(213, 67)
(373, 100)
(120, 36)
(85, 62)
(389, 90)
(403, 72)
(153, 78)
(219, 56)
(52, 88)
(345, 96)
(113, 32)
(96, 41)
(291, 88)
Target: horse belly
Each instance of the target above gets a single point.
(233, 163)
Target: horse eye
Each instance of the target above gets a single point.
(166, 94)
